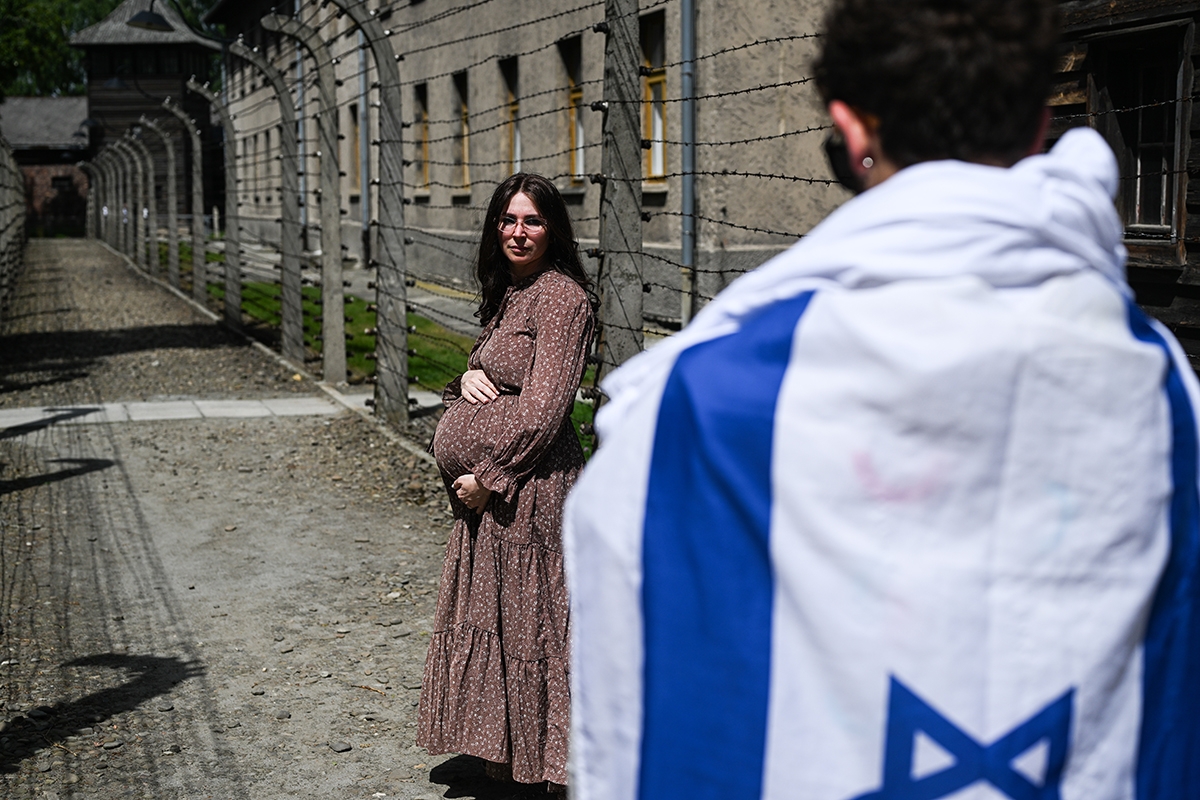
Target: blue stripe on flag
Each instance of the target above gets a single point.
(1169, 748)
(707, 580)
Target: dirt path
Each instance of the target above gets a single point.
(202, 608)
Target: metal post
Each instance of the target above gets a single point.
(199, 279)
(687, 48)
(364, 152)
(391, 319)
(150, 212)
(333, 304)
(172, 201)
(301, 135)
(292, 312)
(620, 274)
(233, 254)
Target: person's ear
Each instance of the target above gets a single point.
(1039, 139)
(857, 135)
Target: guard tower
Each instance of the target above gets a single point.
(132, 70)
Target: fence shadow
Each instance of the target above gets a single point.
(48, 350)
(60, 415)
(84, 466)
(46, 725)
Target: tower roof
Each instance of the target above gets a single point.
(112, 30)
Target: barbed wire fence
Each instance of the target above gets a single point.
(12, 225)
(646, 287)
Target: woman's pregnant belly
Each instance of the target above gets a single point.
(467, 434)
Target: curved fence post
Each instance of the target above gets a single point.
(93, 186)
(101, 163)
(333, 304)
(199, 278)
(172, 200)
(112, 221)
(391, 296)
(620, 273)
(135, 237)
(116, 166)
(233, 253)
(150, 209)
(291, 308)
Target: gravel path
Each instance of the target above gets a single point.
(202, 608)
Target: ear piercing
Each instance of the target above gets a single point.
(868, 162)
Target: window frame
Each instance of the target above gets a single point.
(653, 35)
(1154, 243)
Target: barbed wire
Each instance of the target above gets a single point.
(726, 223)
(495, 31)
(547, 46)
(756, 43)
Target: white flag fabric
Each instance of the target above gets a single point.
(909, 512)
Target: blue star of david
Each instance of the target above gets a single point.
(974, 761)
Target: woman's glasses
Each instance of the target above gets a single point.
(531, 224)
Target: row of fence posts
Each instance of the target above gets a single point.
(122, 209)
(12, 226)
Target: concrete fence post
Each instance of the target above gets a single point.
(233, 253)
(199, 276)
(93, 176)
(136, 236)
(292, 310)
(333, 304)
(620, 273)
(172, 201)
(391, 337)
(150, 209)
(103, 162)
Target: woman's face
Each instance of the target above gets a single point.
(524, 236)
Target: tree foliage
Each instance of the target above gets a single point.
(36, 57)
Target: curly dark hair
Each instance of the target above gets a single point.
(491, 266)
(960, 79)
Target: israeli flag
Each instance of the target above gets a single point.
(911, 512)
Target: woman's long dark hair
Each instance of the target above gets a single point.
(562, 254)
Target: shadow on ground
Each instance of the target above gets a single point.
(464, 777)
(27, 351)
(58, 415)
(83, 467)
(42, 727)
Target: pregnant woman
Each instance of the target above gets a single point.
(496, 676)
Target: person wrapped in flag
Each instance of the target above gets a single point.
(910, 511)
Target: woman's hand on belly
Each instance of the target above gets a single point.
(476, 387)
(471, 492)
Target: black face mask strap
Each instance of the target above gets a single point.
(839, 161)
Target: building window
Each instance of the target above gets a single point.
(355, 169)
(512, 127)
(462, 137)
(654, 61)
(1140, 84)
(421, 92)
(571, 51)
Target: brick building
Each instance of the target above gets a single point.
(49, 136)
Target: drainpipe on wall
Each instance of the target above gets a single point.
(687, 47)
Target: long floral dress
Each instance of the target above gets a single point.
(496, 681)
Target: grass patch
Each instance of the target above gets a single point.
(436, 355)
